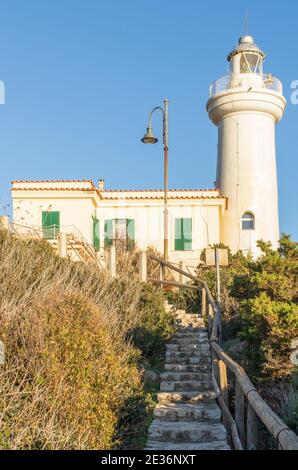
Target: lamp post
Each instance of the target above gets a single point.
(149, 138)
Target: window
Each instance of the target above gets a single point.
(250, 63)
(120, 230)
(183, 234)
(96, 239)
(248, 221)
(50, 224)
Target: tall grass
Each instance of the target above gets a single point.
(70, 333)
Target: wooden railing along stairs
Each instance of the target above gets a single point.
(234, 390)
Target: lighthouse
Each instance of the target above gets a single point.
(246, 105)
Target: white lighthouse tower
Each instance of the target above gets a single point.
(246, 105)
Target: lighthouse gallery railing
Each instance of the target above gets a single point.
(228, 82)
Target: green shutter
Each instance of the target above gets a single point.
(178, 235)
(108, 232)
(183, 234)
(50, 224)
(130, 233)
(96, 238)
(187, 234)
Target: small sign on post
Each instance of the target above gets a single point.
(223, 256)
(217, 257)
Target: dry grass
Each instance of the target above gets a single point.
(69, 369)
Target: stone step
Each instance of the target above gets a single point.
(187, 322)
(170, 367)
(188, 354)
(186, 397)
(188, 412)
(185, 376)
(185, 446)
(184, 431)
(190, 318)
(184, 331)
(189, 346)
(190, 339)
(199, 360)
(185, 386)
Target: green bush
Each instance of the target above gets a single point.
(267, 296)
(155, 325)
(72, 379)
(269, 327)
(184, 299)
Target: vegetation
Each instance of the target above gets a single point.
(289, 405)
(260, 319)
(76, 342)
(259, 303)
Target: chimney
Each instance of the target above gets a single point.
(101, 185)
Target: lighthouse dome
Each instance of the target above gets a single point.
(246, 44)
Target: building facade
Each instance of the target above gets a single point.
(99, 216)
(245, 105)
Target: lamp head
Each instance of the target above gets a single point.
(149, 137)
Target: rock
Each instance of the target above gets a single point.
(151, 376)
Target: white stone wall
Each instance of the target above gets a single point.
(75, 210)
(148, 216)
(78, 201)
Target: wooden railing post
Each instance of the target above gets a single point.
(215, 366)
(161, 273)
(112, 260)
(239, 412)
(223, 381)
(252, 428)
(143, 266)
(203, 302)
(210, 318)
(62, 244)
(181, 277)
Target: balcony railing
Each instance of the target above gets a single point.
(228, 82)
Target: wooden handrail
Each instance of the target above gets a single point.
(244, 432)
(172, 284)
(286, 438)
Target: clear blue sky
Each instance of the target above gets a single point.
(82, 75)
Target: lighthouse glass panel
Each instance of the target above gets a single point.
(250, 63)
(248, 221)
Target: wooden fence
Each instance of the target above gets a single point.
(249, 408)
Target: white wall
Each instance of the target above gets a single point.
(74, 210)
(148, 218)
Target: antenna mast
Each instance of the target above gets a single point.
(246, 22)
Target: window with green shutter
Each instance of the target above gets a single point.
(96, 237)
(50, 224)
(108, 232)
(183, 234)
(121, 230)
(130, 233)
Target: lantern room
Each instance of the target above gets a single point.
(246, 63)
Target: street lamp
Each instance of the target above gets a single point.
(149, 138)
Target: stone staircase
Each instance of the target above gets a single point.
(187, 416)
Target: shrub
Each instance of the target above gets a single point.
(155, 325)
(289, 408)
(269, 327)
(71, 375)
(267, 297)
